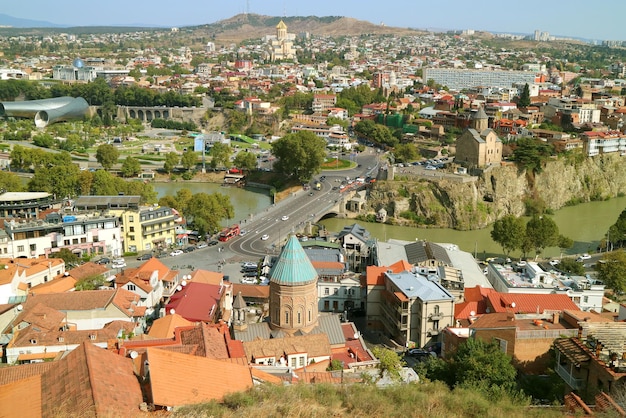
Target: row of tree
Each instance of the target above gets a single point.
(540, 232)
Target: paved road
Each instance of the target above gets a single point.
(226, 257)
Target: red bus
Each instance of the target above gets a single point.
(228, 233)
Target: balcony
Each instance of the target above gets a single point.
(571, 381)
(435, 316)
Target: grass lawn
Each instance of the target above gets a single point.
(334, 164)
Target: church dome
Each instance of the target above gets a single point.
(293, 267)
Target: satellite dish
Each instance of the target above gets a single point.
(19, 307)
(184, 283)
(472, 313)
(512, 304)
(172, 311)
(133, 354)
(179, 288)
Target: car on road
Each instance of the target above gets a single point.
(583, 257)
(189, 249)
(265, 237)
(249, 265)
(176, 253)
(118, 264)
(144, 257)
(103, 260)
(284, 218)
(243, 232)
(213, 243)
(555, 262)
(430, 167)
(202, 245)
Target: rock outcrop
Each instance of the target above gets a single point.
(499, 191)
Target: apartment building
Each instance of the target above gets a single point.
(459, 79)
(322, 103)
(596, 143)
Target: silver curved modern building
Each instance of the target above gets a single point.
(46, 111)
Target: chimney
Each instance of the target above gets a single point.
(555, 318)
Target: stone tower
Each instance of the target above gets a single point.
(480, 120)
(239, 313)
(293, 291)
(281, 31)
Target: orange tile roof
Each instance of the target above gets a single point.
(164, 327)
(375, 274)
(181, 379)
(207, 277)
(27, 267)
(58, 285)
(529, 303)
(14, 373)
(265, 377)
(21, 398)
(252, 291)
(316, 345)
(91, 381)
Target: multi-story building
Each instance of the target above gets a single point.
(20, 275)
(24, 204)
(415, 308)
(478, 148)
(596, 143)
(322, 103)
(530, 278)
(86, 233)
(144, 228)
(459, 79)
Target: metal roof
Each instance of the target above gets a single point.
(417, 286)
(293, 266)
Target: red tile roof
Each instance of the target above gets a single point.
(21, 398)
(91, 381)
(529, 303)
(196, 302)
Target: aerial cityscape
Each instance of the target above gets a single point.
(268, 210)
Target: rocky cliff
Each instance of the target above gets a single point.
(499, 191)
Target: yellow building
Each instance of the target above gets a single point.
(144, 228)
(281, 46)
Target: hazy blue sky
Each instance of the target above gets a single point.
(600, 19)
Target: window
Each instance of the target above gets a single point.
(435, 325)
(20, 248)
(335, 291)
(585, 299)
(131, 218)
(131, 287)
(299, 318)
(131, 229)
(326, 307)
(326, 291)
(301, 361)
(345, 291)
(502, 343)
(286, 317)
(45, 278)
(33, 247)
(66, 242)
(436, 309)
(309, 315)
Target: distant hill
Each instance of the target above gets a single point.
(16, 22)
(251, 26)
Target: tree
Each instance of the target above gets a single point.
(524, 98)
(483, 364)
(206, 211)
(92, 282)
(571, 266)
(107, 155)
(612, 270)
(300, 155)
(245, 161)
(66, 255)
(10, 182)
(189, 159)
(406, 153)
(532, 154)
(171, 161)
(131, 167)
(220, 155)
(509, 233)
(541, 232)
(389, 362)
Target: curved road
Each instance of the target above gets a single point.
(300, 207)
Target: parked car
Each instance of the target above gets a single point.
(265, 237)
(249, 264)
(202, 245)
(118, 264)
(103, 260)
(176, 253)
(213, 243)
(144, 257)
(190, 249)
(248, 280)
(554, 262)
